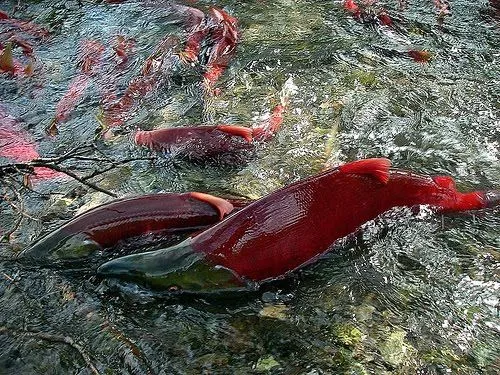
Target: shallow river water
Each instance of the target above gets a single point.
(411, 294)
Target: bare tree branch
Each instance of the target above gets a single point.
(54, 338)
(55, 167)
(82, 163)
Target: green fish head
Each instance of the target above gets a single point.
(175, 269)
(57, 247)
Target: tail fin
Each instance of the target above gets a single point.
(492, 199)
(475, 200)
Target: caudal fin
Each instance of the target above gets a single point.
(376, 167)
(492, 199)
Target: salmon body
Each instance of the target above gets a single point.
(107, 225)
(25, 26)
(154, 73)
(17, 145)
(225, 36)
(90, 62)
(198, 142)
(201, 142)
(292, 226)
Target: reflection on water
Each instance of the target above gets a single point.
(410, 294)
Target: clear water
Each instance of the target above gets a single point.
(413, 294)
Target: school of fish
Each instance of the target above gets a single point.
(231, 244)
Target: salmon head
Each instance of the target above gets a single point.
(177, 269)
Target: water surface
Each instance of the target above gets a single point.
(410, 294)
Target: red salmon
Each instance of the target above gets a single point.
(15, 144)
(106, 225)
(292, 226)
(201, 142)
(90, 62)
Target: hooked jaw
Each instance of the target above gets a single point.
(175, 269)
(150, 267)
(60, 247)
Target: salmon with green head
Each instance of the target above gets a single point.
(291, 227)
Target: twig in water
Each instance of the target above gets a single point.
(19, 209)
(10, 278)
(54, 338)
(37, 163)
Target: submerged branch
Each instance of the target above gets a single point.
(19, 209)
(54, 338)
(81, 163)
(82, 180)
(112, 166)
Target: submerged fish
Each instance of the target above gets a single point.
(108, 224)
(15, 144)
(123, 48)
(219, 31)
(290, 227)
(8, 64)
(225, 36)
(25, 26)
(351, 6)
(384, 18)
(367, 14)
(192, 47)
(90, 61)
(443, 9)
(420, 55)
(202, 142)
(154, 72)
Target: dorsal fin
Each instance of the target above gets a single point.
(216, 13)
(221, 205)
(445, 182)
(221, 16)
(239, 131)
(350, 6)
(376, 167)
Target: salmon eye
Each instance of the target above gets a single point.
(173, 288)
